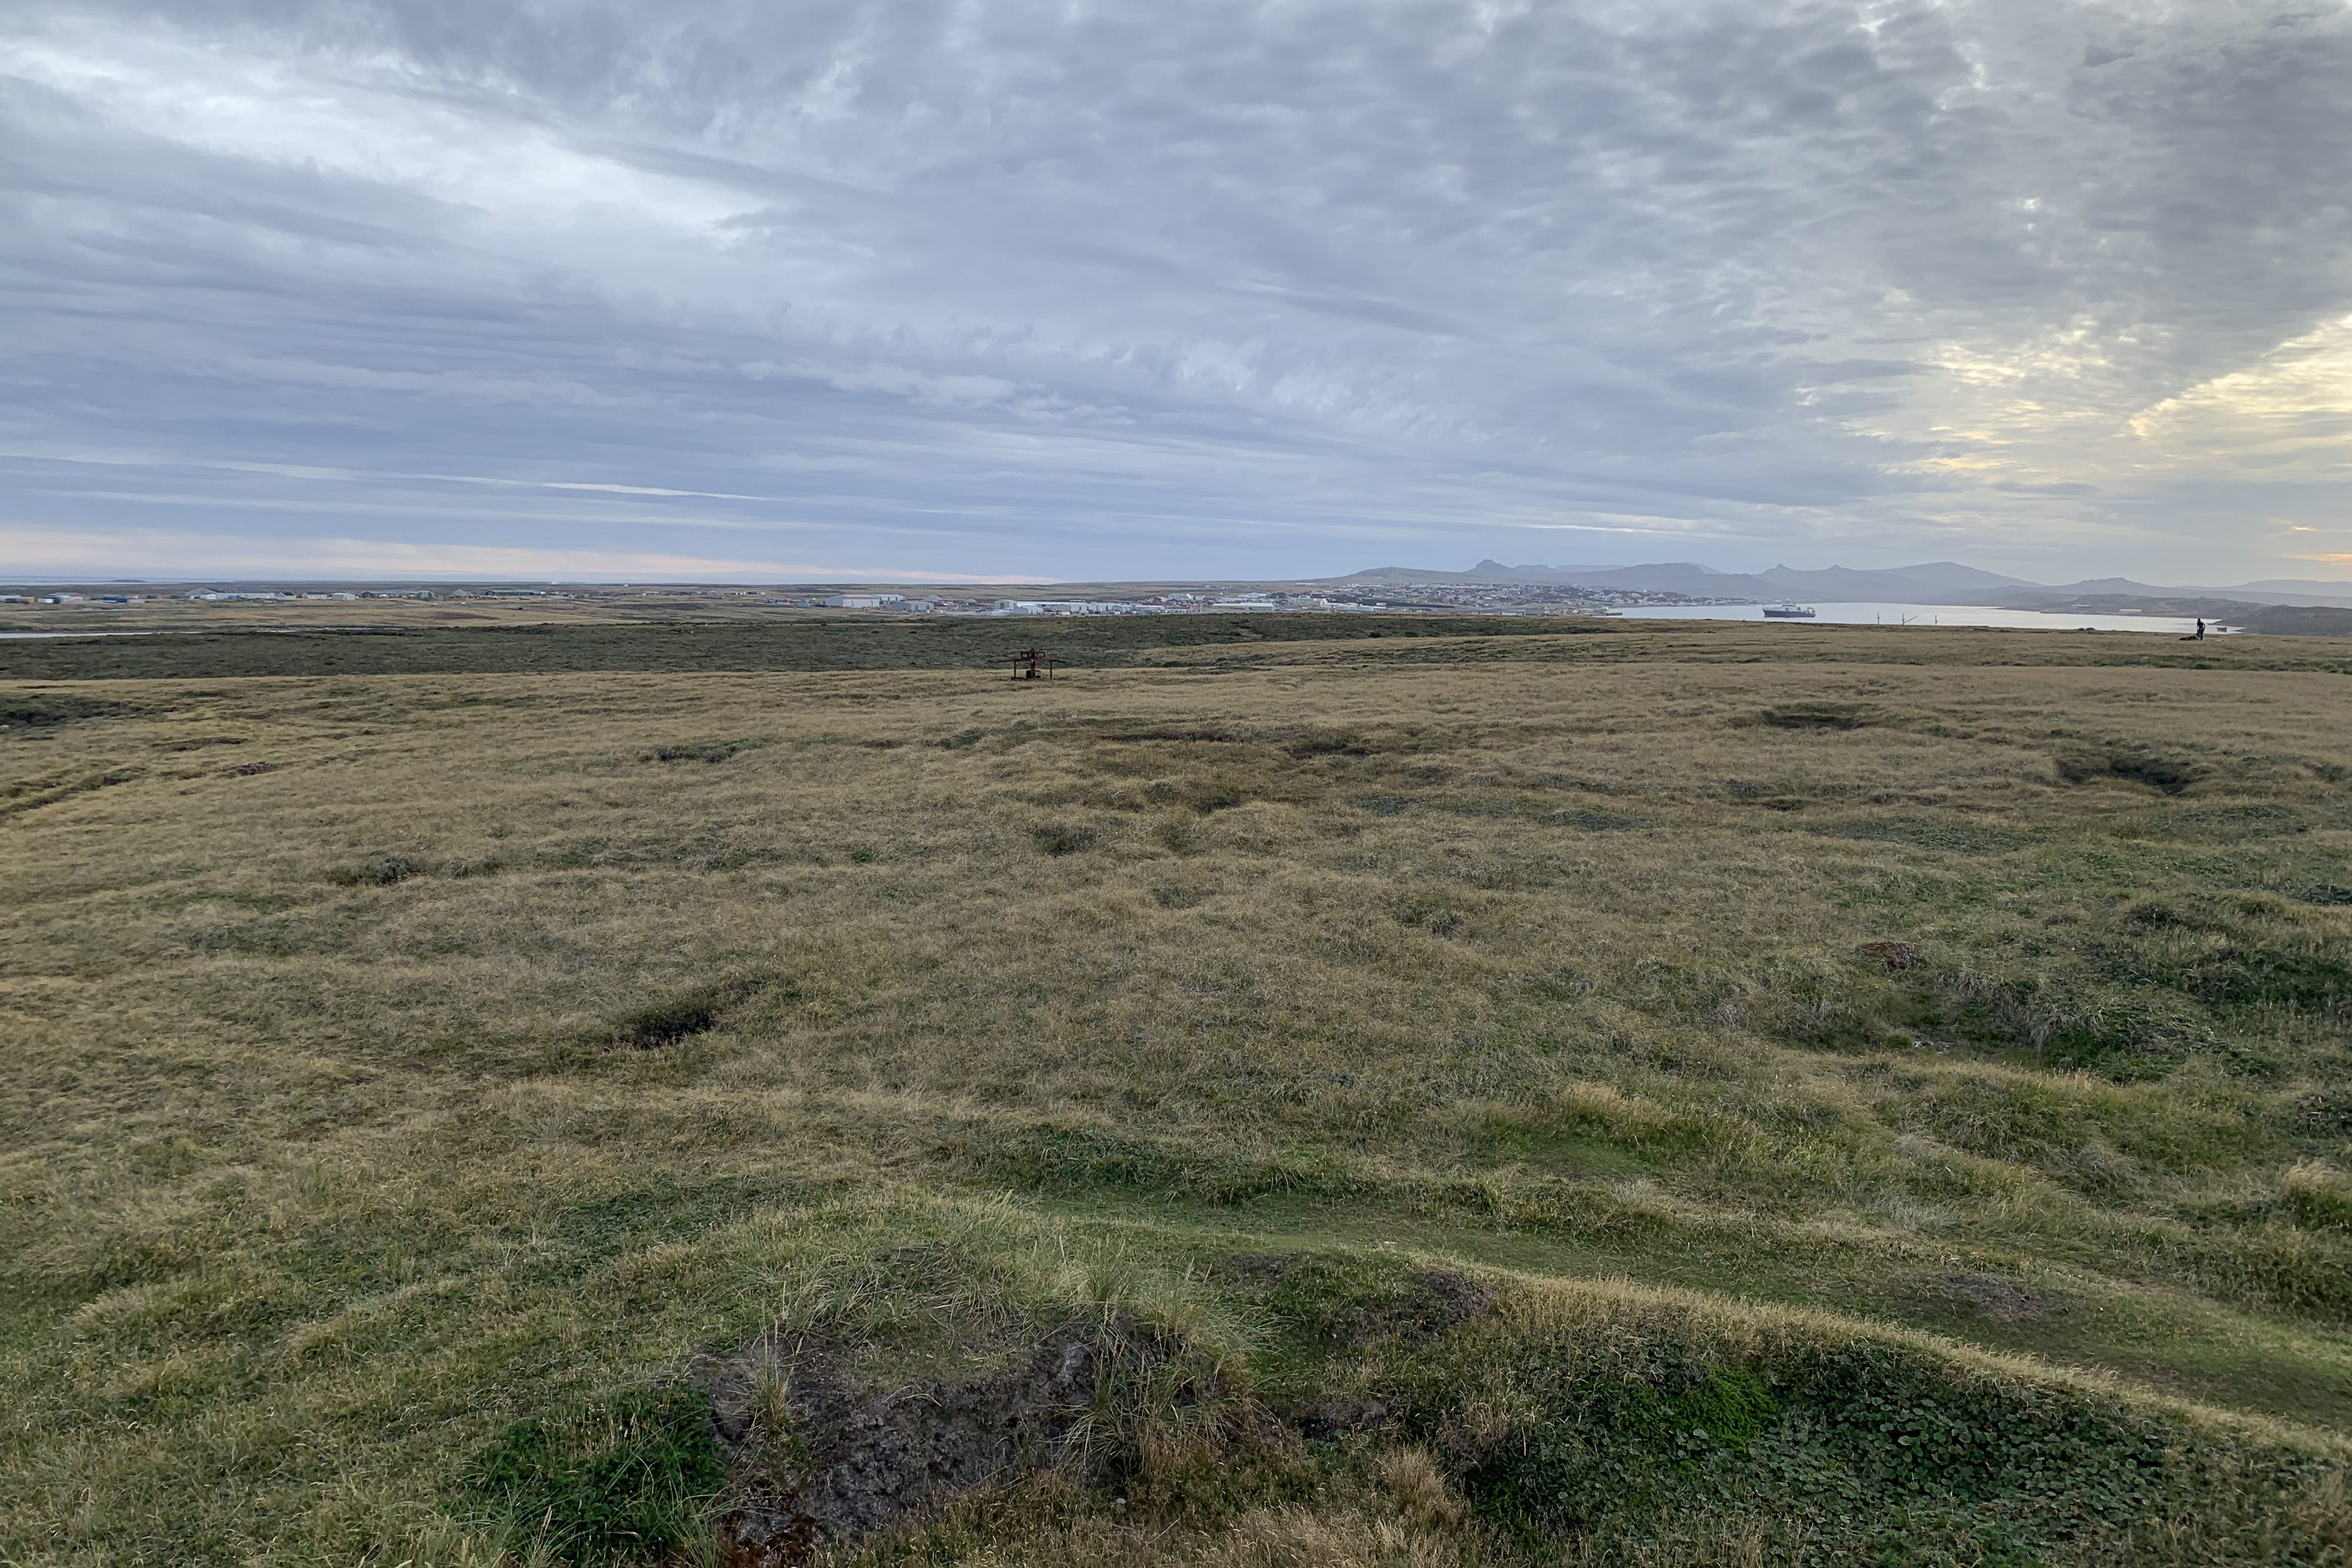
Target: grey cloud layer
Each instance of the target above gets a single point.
(1104, 288)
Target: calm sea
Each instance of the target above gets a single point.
(1928, 615)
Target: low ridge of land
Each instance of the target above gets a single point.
(712, 641)
(1499, 1092)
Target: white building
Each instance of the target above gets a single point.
(1074, 607)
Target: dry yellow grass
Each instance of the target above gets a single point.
(390, 1057)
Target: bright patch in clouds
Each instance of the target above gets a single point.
(156, 553)
(873, 288)
(2290, 408)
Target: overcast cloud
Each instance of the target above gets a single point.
(1111, 287)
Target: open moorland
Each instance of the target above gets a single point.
(1490, 1094)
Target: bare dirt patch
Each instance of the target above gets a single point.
(823, 1457)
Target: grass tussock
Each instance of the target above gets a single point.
(1065, 837)
(384, 872)
(1236, 1076)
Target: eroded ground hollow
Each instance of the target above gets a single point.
(828, 1443)
(825, 1447)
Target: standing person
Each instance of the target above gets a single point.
(2200, 627)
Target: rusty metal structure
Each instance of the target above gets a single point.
(1030, 664)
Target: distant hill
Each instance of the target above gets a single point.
(1937, 582)
(1932, 582)
(1663, 577)
(2333, 589)
(2107, 585)
(2323, 595)
(2301, 621)
(1666, 577)
(1485, 572)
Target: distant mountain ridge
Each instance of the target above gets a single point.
(1931, 582)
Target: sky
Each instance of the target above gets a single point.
(1098, 289)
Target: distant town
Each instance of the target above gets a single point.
(1490, 598)
(1488, 587)
(1455, 597)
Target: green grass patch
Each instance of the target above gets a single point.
(632, 1480)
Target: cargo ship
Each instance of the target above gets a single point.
(1787, 613)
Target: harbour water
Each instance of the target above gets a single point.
(1926, 615)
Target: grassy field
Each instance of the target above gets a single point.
(782, 640)
(608, 640)
(1654, 1095)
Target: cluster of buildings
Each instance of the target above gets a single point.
(921, 604)
(1155, 605)
(80, 597)
(1521, 599)
(214, 595)
(1535, 598)
(1173, 604)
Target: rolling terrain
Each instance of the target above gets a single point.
(1492, 1093)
